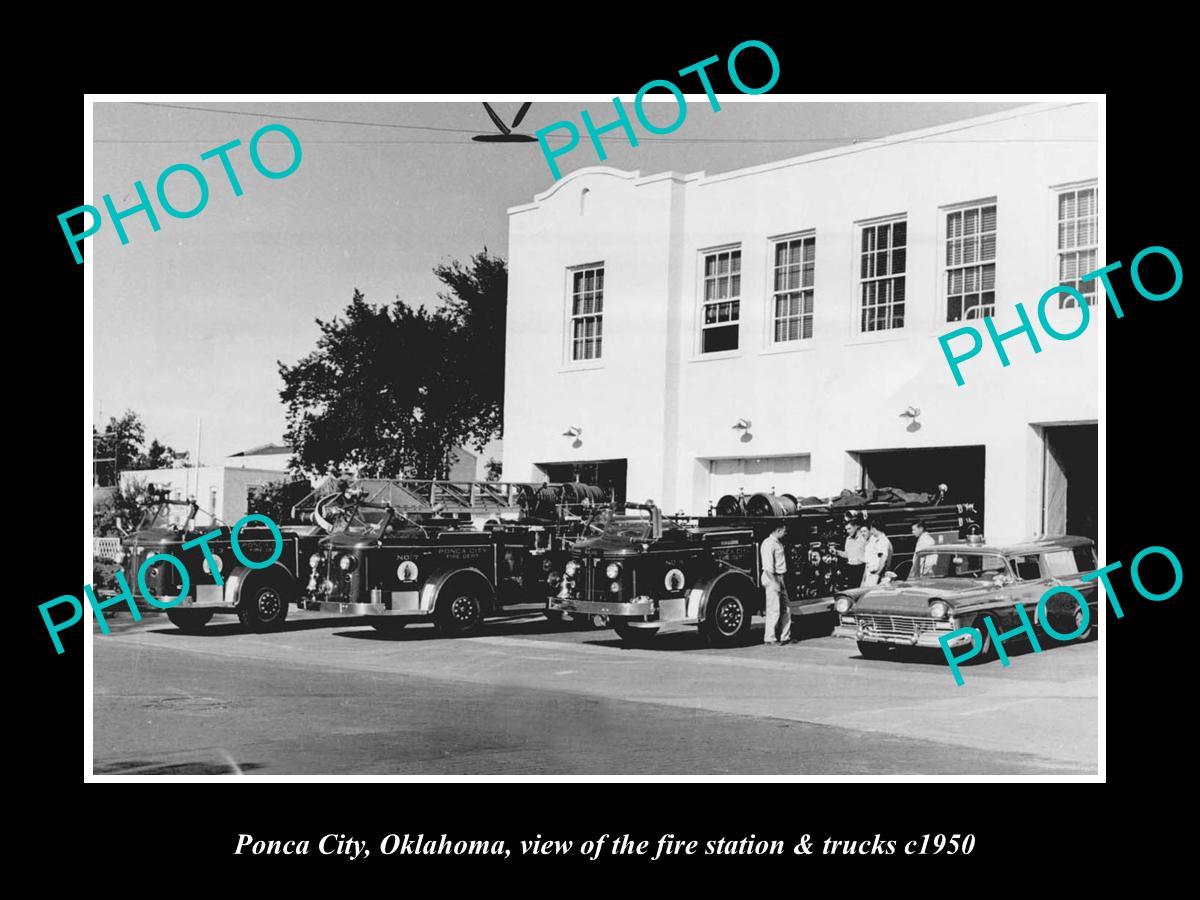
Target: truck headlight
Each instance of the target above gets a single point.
(674, 580)
(938, 609)
(217, 566)
(407, 571)
(613, 571)
(843, 605)
(571, 568)
(347, 563)
(314, 560)
(615, 587)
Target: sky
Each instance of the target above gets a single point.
(191, 320)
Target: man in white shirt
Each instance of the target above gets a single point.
(877, 555)
(924, 542)
(774, 567)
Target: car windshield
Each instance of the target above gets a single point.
(942, 564)
(359, 520)
(157, 516)
(629, 528)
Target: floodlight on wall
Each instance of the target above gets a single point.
(911, 414)
(573, 432)
(742, 425)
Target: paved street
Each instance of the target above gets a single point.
(332, 696)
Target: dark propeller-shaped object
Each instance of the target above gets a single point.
(506, 135)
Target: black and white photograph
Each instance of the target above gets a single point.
(687, 436)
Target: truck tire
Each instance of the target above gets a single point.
(263, 601)
(727, 619)
(189, 621)
(634, 637)
(459, 609)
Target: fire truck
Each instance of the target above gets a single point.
(388, 556)
(260, 597)
(650, 573)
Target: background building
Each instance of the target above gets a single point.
(775, 328)
(222, 491)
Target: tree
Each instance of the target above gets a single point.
(118, 506)
(392, 390)
(160, 456)
(117, 447)
(276, 499)
(494, 468)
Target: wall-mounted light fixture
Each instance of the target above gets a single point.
(573, 432)
(911, 414)
(743, 425)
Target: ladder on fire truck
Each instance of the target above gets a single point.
(431, 496)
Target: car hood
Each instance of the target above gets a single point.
(912, 598)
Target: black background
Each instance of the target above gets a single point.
(189, 831)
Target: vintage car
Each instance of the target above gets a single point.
(649, 573)
(381, 563)
(959, 585)
(259, 597)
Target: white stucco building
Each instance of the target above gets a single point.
(650, 315)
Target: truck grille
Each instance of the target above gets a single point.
(900, 628)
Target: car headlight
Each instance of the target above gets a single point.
(615, 587)
(347, 563)
(843, 605)
(407, 571)
(674, 580)
(571, 568)
(217, 565)
(314, 560)
(613, 570)
(938, 609)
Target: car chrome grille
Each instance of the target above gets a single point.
(901, 628)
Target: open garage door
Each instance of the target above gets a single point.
(1071, 485)
(961, 468)
(609, 474)
(756, 474)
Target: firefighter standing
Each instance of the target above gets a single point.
(877, 555)
(924, 541)
(774, 567)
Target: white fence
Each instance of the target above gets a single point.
(106, 548)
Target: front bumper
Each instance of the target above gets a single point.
(911, 632)
(668, 612)
(382, 603)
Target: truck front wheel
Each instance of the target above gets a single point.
(263, 603)
(459, 611)
(727, 620)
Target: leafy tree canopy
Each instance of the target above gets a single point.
(392, 390)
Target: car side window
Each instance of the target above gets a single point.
(1027, 568)
(1060, 563)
